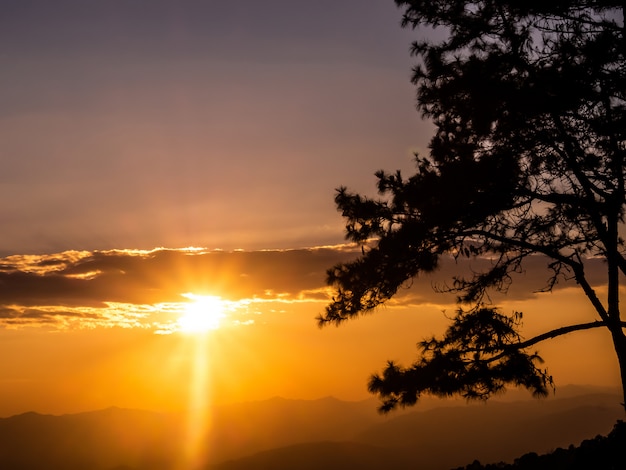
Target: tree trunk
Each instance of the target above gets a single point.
(619, 341)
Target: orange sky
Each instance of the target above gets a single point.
(227, 125)
(93, 329)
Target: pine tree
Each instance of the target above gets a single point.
(528, 158)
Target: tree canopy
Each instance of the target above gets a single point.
(529, 107)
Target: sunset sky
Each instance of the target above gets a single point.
(156, 154)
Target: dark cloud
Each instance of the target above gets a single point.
(119, 287)
(143, 289)
(23, 315)
(92, 278)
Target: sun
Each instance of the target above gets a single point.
(202, 314)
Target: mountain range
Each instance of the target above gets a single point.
(305, 434)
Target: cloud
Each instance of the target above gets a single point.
(144, 288)
(161, 275)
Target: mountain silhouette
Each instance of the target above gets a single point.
(105, 439)
(442, 438)
(317, 455)
(327, 433)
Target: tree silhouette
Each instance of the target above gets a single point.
(528, 101)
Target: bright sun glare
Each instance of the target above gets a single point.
(202, 314)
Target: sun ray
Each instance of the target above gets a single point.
(201, 315)
(198, 406)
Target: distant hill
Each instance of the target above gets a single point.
(99, 440)
(599, 453)
(278, 422)
(320, 455)
(443, 438)
(327, 433)
(130, 439)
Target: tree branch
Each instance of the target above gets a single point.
(522, 244)
(577, 267)
(549, 335)
(562, 331)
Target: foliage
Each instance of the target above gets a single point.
(529, 103)
(476, 358)
(600, 453)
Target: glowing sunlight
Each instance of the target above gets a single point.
(202, 314)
